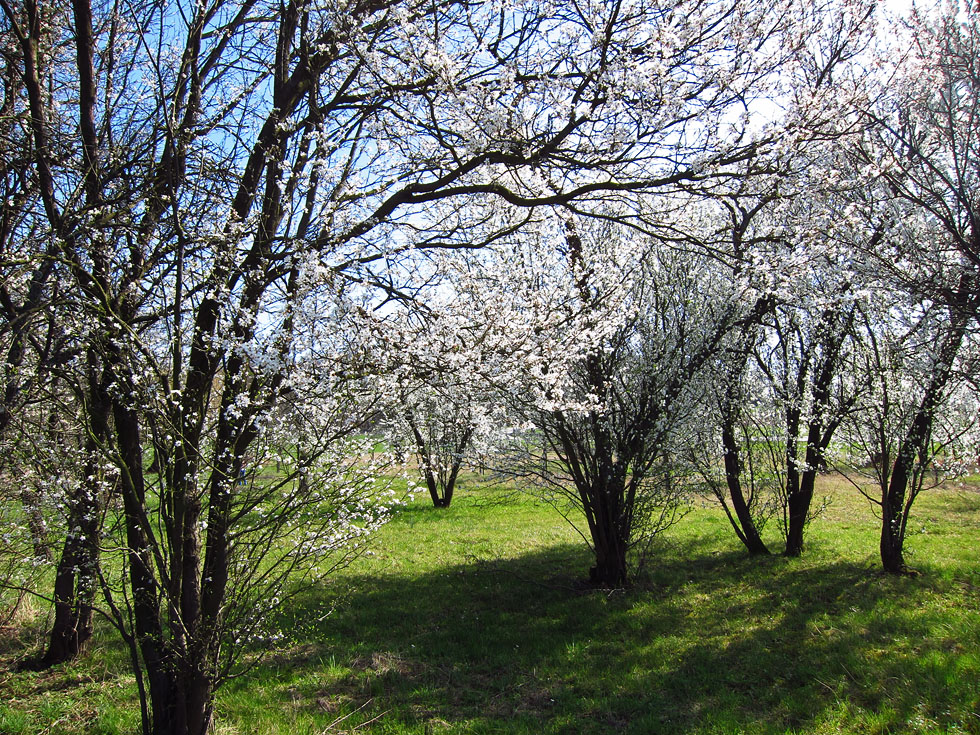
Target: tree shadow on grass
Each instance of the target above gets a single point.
(709, 642)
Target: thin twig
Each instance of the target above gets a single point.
(341, 719)
(368, 722)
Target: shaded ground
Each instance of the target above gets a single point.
(719, 643)
(474, 620)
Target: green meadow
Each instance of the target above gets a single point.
(475, 619)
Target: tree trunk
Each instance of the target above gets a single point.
(799, 510)
(893, 506)
(425, 464)
(450, 483)
(182, 705)
(76, 580)
(157, 656)
(745, 527)
(610, 568)
(820, 430)
(197, 693)
(796, 505)
(75, 585)
(896, 503)
(800, 500)
(800, 496)
(892, 542)
(439, 484)
(610, 536)
(799, 506)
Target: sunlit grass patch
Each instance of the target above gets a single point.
(475, 619)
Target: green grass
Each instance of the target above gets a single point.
(474, 620)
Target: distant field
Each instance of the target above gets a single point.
(474, 620)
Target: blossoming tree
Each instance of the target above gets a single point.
(233, 189)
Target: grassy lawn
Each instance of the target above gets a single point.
(474, 620)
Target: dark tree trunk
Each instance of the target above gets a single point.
(820, 430)
(897, 499)
(800, 500)
(799, 507)
(425, 464)
(800, 496)
(76, 579)
(796, 505)
(610, 539)
(610, 532)
(610, 569)
(450, 484)
(892, 541)
(743, 523)
(158, 659)
(440, 486)
(894, 506)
